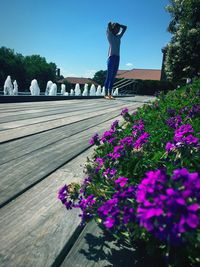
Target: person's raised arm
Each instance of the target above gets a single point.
(123, 30)
(109, 26)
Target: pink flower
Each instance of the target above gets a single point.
(122, 181)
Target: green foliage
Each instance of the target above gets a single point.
(150, 87)
(24, 69)
(37, 68)
(183, 51)
(136, 162)
(100, 77)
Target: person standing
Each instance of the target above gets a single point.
(114, 33)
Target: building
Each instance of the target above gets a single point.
(140, 74)
(130, 81)
(74, 80)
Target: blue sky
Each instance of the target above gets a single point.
(72, 33)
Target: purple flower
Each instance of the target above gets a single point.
(194, 111)
(190, 140)
(94, 140)
(100, 161)
(141, 140)
(183, 138)
(116, 152)
(122, 181)
(86, 202)
(109, 173)
(109, 222)
(174, 122)
(128, 215)
(85, 183)
(182, 131)
(64, 196)
(107, 135)
(109, 206)
(138, 127)
(112, 140)
(115, 124)
(124, 111)
(127, 141)
(63, 193)
(169, 206)
(169, 147)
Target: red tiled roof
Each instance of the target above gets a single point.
(142, 74)
(80, 80)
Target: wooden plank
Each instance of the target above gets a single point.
(18, 148)
(47, 113)
(35, 228)
(44, 126)
(60, 115)
(18, 175)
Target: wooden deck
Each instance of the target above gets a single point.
(42, 146)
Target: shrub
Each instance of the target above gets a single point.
(143, 182)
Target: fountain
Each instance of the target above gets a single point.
(66, 93)
(8, 87)
(49, 84)
(98, 92)
(15, 90)
(103, 91)
(63, 89)
(92, 90)
(53, 90)
(85, 91)
(116, 92)
(34, 88)
(77, 90)
(72, 92)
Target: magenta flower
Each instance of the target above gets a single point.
(122, 181)
(100, 161)
(95, 140)
(124, 111)
(174, 122)
(169, 206)
(138, 125)
(109, 173)
(128, 141)
(182, 131)
(169, 147)
(107, 135)
(141, 140)
(109, 222)
(115, 124)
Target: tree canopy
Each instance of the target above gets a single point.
(100, 76)
(183, 51)
(24, 69)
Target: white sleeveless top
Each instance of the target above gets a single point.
(114, 41)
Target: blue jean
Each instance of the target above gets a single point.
(113, 65)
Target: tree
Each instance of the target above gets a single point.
(183, 51)
(24, 69)
(100, 76)
(37, 68)
(11, 64)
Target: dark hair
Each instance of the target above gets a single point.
(114, 25)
